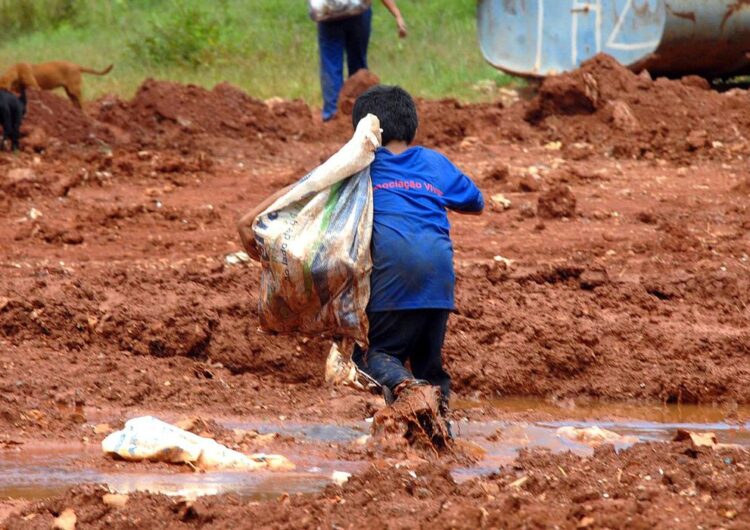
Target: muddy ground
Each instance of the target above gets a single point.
(619, 271)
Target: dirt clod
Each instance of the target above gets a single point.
(556, 203)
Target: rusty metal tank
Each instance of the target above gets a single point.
(535, 38)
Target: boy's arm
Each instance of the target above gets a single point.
(245, 224)
(393, 8)
(461, 195)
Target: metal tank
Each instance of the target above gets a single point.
(536, 38)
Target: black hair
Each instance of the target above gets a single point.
(395, 109)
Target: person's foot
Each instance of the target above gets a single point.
(406, 384)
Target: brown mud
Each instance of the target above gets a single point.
(650, 485)
(632, 283)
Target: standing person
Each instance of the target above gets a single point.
(344, 30)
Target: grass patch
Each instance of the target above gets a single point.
(267, 47)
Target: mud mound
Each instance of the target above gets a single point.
(448, 122)
(167, 109)
(58, 118)
(582, 91)
(634, 116)
(354, 87)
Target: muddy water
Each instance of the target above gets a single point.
(45, 471)
(31, 473)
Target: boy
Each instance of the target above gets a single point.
(412, 278)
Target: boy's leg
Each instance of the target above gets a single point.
(357, 40)
(392, 336)
(331, 41)
(427, 357)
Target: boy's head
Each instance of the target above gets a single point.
(395, 109)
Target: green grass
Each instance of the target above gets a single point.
(267, 47)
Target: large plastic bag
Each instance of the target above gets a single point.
(147, 438)
(314, 245)
(324, 10)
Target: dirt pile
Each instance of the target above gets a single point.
(449, 122)
(354, 87)
(51, 116)
(669, 485)
(633, 115)
(165, 109)
(164, 114)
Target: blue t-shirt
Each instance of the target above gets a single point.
(412, 252)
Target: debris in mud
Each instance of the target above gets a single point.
(556, 203)
(148, 438)
(501, 201)
(697, 439)
(65, 521)
(412, 421)
(354, 87)
(593, 436)
(340, 477)
(235, 258)
(115, 500)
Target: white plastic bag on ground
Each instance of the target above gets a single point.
(314, 244)
(147, 438)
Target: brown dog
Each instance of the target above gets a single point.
(49, 76)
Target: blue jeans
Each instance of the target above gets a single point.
(396, 337)
(350, 35)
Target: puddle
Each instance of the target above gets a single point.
(593, 409)
(311, 432)
(643, 422)
(42, 472)
(33, 473)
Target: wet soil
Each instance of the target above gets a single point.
(649, 485)
(631, 283)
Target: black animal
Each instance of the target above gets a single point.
(12, 111)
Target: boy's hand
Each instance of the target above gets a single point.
(252, 250)
(402, 31)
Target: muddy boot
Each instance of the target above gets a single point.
(413, 418)
(444, 414)
(392, 395)
(388, 395)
